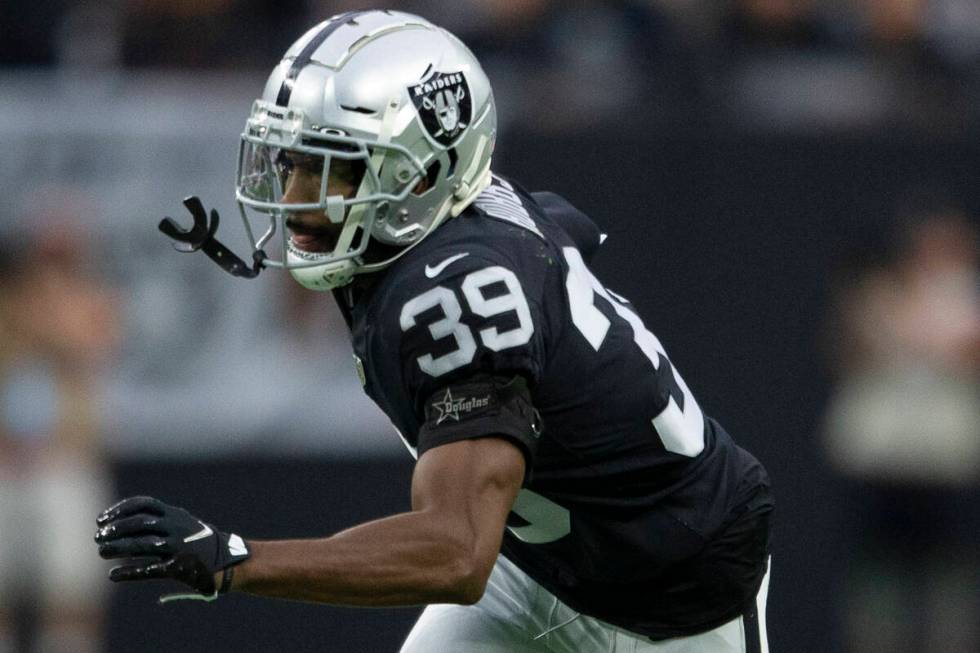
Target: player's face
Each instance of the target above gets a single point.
(312, 231)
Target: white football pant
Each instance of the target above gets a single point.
(516, 615)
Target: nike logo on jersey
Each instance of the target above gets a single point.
(201, 534)
(433, 271)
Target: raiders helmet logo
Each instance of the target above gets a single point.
(444, 105)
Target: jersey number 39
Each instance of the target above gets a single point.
(680, 425)
(450, 325)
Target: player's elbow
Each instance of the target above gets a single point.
(469, 576)
(470, 586)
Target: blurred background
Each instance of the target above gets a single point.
(791, 193)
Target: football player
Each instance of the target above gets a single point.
(569, 492)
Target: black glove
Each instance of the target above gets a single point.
(163, 541)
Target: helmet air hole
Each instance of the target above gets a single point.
(359, 237)
(453, 159)
(363, 110)
(427, 184)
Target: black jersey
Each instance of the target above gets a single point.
(637, 508)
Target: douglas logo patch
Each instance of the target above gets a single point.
(444, 105)
(450, 407)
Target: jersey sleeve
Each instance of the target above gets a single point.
(482, 406)
(468, 340)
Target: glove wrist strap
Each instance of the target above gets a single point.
(226, 579)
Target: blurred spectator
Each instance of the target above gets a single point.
(908, 41)
(904, 429)
(228, 34)
(777, 23)
(58, 326)
(26, 34)
(792, 65)
(766, 64)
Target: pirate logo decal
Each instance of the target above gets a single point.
(444, 105)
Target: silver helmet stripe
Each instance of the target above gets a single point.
(305, 56)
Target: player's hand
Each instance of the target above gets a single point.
(157, 540)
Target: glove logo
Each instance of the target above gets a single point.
(201, 534)
(236, 546)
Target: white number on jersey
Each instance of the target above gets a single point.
(680, 424)
(547, 521)
(451, 326)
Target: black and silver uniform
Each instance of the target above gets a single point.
(636, 508)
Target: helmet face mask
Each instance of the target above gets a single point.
(386, 146)
(273, 152)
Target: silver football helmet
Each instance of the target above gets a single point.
(396, 108)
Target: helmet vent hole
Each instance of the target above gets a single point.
(427, 184)
(360, 236)
(453, 159)
(363, 110)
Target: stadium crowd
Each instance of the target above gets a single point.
(845, 64)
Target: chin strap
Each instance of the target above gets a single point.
(201, 237)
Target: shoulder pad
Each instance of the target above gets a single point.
(579, 227)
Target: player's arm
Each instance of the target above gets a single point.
(442, 551)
